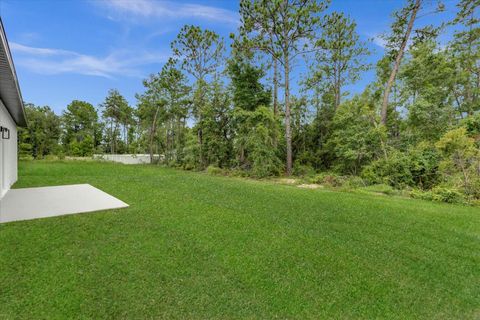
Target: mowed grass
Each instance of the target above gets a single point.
(193, 246)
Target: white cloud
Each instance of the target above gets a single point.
(141, 9)
(57, 61)
(20, 48)
(379, 41)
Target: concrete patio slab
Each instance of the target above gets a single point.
(34, 203)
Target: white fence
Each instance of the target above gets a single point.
(127, 158)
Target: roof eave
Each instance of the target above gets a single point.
(9, 89)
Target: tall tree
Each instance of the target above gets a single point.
(217, 127)
(282, 29)
(200, 53)
(43, 133)
(427, 79)
(401, 30)
(248, 92)
(80, 125)
(164, 104)
(114, 108)
(175, 92)
(248, 95)
(127, 121)
(151, 110)
(340, 60)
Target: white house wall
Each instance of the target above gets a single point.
(8, 159)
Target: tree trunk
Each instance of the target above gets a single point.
(337, 95)
(275, 98)
(337, 86)
(242, 156)
(152, 133)
(125, 136)
(167, 143)
(200, 108)
(275, 87)
(115, 130)
(111, 137)
(468, 92)
(200, 142)
(288, 133)
(398, 60)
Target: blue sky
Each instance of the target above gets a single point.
(66, 49)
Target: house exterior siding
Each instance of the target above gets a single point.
(8, 152)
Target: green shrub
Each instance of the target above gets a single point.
(461, 161)
(421, 194)
(449, 195)
(191, 158)
(50, 157)
(216, 171)
(238, 172)
(472, 124)
(328, 179)
(355, 140)
(332, 181)
(380, 188)
(353, 182)
(81, 147)
(441, 194)
(24, 149)
(474, 188)
(475, 202)
(318, 178)
(188, 166)
(265, 162)
(25, 157)
(303, 170)
(418, 167)
(256, 142)
(393, 171)
(423, 162)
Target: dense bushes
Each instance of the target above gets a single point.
(356, 138)
(448, 171)
(418, 167)
(460, 165)
(472, 126)
(442, 194)
(394, 171)
(255, 142)
(216, 171)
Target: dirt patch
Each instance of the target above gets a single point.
(287, 181)
(310, 186)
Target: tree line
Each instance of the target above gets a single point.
(416, 125)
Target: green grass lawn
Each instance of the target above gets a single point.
(193, 246)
